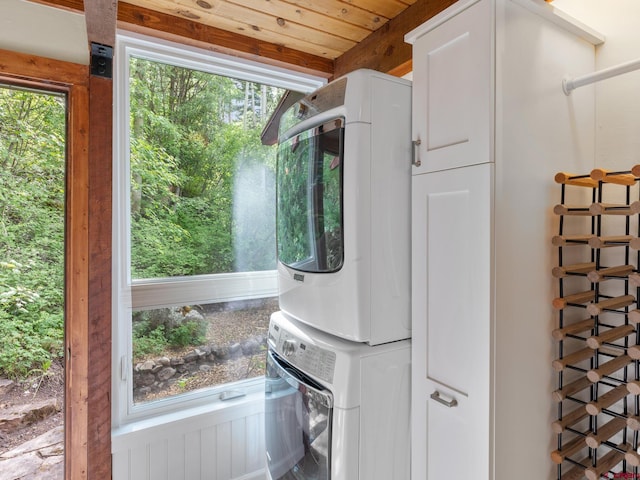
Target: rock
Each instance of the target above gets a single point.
(251, 346)
(191, 357)
(39, 459)
(147, 366)
(157, 368)
(205, 368)
(166, 373)
(235, 348)
(165, 361)
(19, 467)
(220, 351)
(169, 318)
(144, 390)
(194, 316)
(6, 386)
(146, 379)
(177, 361)
(45, 441)
(14, 417)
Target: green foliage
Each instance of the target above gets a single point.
(32, 176)
(187, 333)
(157, 330)
(293, 200)
(27, 342)
(148, 341)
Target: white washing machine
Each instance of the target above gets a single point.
(335, 409)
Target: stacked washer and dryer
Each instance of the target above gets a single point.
(338, 360)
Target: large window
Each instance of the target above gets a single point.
(194, 225)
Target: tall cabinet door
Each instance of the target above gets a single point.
(452, 95)
(451, 303)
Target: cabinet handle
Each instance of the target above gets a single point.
(447, 403)
(414, 157)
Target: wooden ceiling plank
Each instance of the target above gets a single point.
(150, 22)
(279, 32)
(387, 8)
(342, 11)
(385, 49)
(309, 18)
(291, 35)
(227, 16)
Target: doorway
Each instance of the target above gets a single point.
(33, 160)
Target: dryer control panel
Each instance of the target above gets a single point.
(313, 360)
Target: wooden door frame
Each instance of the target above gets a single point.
(87, 258)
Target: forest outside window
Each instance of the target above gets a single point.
(195, 224)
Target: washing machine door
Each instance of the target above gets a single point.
(298, 423)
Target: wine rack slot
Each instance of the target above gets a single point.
(573, 329)
(608, 368)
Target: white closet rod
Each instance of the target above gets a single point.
(570, 84)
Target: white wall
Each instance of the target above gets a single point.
(539, 131)
(617, 99)
(36, 29)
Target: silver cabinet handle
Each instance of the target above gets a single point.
(451, 403)
(414, 157)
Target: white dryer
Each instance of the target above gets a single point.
(335, 409)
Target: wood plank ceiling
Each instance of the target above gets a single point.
(326, 28)
(323, 37)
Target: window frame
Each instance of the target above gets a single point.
(146, 294)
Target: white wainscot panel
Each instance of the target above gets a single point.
(225, 442)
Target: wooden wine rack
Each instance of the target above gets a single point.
(597, 334)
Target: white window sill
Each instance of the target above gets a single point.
(128, 436)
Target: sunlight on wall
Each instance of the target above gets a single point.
(617, 99)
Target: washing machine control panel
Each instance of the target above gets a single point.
(313, 360)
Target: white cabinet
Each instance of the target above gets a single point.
(493, 126)
(451, 220)
(452, 109)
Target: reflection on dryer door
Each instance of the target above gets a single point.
(298, 424)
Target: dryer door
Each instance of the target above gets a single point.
(298, 423)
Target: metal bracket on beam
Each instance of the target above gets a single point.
(101, 60)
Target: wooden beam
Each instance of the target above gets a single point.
(385, 49)
(100, 252)
(33, 68)
(100, 18)
(182, 30)
(77, 420)
(70, 5)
